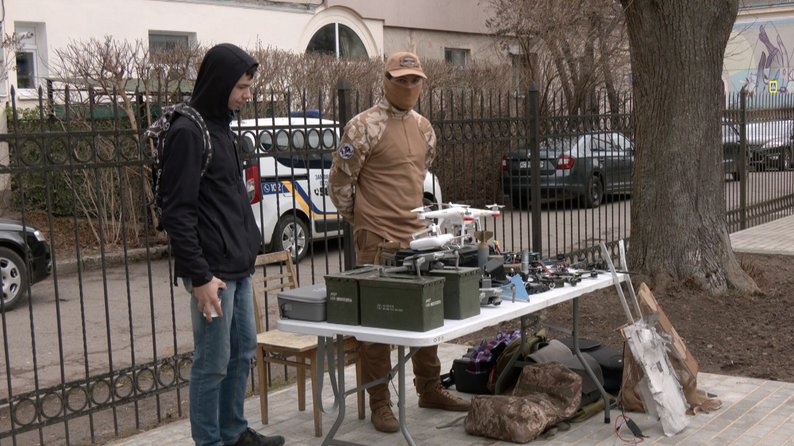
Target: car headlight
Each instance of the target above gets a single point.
(39, 236)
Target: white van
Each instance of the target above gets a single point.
(289, 186)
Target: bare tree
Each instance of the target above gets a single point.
(11, 43)
(105, 65)
(304, 80)
(165, 76)
(574, 47)
(678, 215)
(99, 72)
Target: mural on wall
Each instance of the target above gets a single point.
(759, 58)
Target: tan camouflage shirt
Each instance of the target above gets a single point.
(378, 171)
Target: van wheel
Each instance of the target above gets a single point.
(291, 235)
(430, 203)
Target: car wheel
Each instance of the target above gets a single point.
(785, 159)
(291, 235)
(15, 277)
(519, 202)
(594, 193)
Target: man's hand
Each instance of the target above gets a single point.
(207, 297)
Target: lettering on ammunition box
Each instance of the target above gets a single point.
(347, 300)
(434, 303)
(389, 308)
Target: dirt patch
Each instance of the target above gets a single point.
(735, 334)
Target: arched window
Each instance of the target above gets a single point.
(336, 39)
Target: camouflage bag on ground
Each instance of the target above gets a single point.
(544, 395)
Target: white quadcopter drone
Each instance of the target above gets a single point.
(457, 217)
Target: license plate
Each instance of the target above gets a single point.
(527, 165)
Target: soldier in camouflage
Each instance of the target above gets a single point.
(376, 178)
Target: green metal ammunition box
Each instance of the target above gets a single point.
(461, 291)
(343, 295)
(402, 302)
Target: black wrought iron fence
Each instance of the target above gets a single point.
(103, 347)
(757, 134)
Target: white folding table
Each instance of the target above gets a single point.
(452, 329)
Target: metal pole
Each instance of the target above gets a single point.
(742, 159)
(534, 150)
(345, 113)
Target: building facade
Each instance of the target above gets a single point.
(760, 52)
(452, 30)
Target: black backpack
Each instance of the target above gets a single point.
(154, 140)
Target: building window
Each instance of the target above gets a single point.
(30, 37)
(457, 56)
(335, 39)
(167, 42)
(26, 69)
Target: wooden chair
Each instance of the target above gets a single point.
(290, 349)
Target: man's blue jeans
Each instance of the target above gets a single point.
(221, 362)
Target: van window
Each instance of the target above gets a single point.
(307, 160)
(306, 147)
(298, 140)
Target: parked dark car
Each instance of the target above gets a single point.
(24, 260)
(584, 168)
(731, 149)
(769, 145)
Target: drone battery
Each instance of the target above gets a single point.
(396, 259)
(461, 291)
(495, 269)
(467, 256)
(343, 295)
(402, 302)
(305, 303)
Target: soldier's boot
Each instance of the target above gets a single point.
(383, 418)
(376, 364)
(427, 371)
(441, 398)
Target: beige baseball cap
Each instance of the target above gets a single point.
(404, 63)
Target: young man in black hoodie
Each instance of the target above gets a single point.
(215, 240)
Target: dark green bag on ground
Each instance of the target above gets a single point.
(533, 343)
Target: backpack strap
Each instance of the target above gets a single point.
(192, 114)
(154, 137)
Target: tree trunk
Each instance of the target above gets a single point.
(678, 216)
